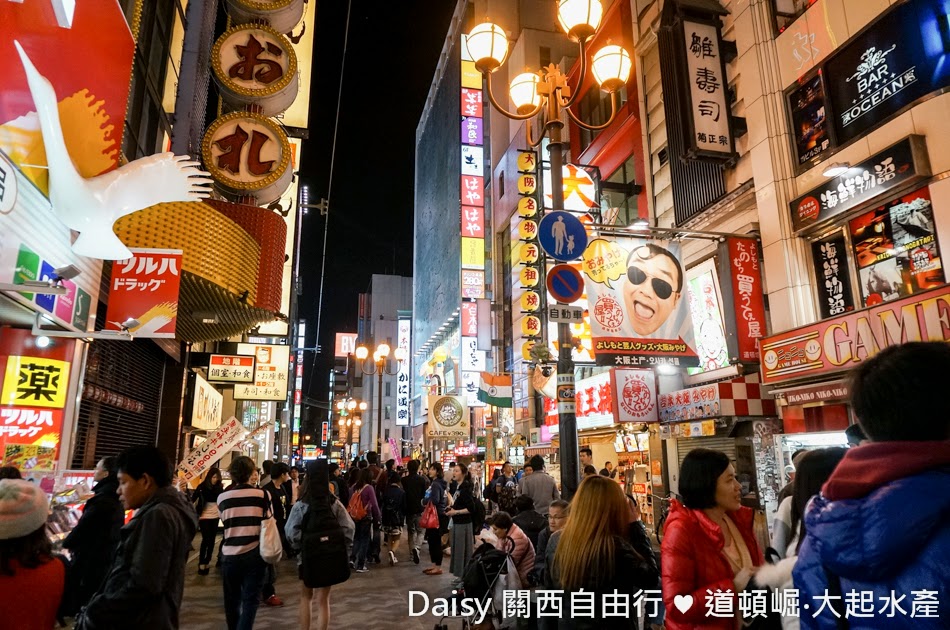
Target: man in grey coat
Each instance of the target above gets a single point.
(539, 485)
(145, 584)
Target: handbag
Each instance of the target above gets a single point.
(270, 545)
(430, 517)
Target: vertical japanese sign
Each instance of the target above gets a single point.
(832, 277)
(740, 260)
(403, 377)
(145, 288)
(708, 106)
(206, 405)
(270, 374)
(35, 382)
(526, 299)
(471, 171)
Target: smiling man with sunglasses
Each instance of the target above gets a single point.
(653, 287)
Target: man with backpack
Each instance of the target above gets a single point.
(505, 489)
(321, 530)
(415, 486)
(376, 543)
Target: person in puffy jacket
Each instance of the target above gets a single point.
(513, 540)
(709, 544)
(881, 524)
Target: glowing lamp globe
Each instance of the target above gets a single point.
(383, 350)
(524, 92)
(611, 66)
(487, 45)
(362, 352)
(400, 354)
(580, 18)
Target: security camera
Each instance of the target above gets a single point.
(65, 273)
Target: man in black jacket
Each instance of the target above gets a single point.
(94, 539)
(280, 473)
(145, 584)
(415, 486)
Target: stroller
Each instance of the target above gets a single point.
(481, 576)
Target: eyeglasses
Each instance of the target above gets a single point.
(662, 288)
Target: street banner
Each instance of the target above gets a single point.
(638, 316)
(206, 406)
(145, 288)
(394, 452)
(217, 444)
(448, 417)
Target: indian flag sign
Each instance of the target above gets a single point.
(495, 389)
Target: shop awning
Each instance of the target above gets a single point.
(540, 449)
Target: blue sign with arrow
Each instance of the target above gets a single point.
(562, 236)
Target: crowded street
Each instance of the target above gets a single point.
(478, 314)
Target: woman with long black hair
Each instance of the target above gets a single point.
(436, 494)
(463, 505)
(206, 505)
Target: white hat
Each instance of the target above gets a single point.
(23, 508)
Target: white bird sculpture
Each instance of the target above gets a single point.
(92, 205)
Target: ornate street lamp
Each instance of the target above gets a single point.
(348, 422)
(380, 359)
(546, 95)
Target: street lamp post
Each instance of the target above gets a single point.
(349, 422)
(380, 358)
(546, 95)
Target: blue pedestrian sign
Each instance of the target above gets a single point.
(562, 236)
(565, 284)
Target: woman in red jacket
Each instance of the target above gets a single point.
(709, 545)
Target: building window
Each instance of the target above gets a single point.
(618, 203)
(388, 411)
(388, 391)
(594, 109)
(501, 185)
(787, 11)
(544, 56)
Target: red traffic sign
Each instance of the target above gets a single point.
(565, 284)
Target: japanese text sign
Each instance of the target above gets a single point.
(832, 277)
(471, 103)
(741, 258)
(403, 376)
(145, 288)
(271, 370)
(561, 313)
(226, 368)
(473, 222)
(206, 405)
(892, 167)
(473, 284)
(635, 391)
(472, 131)
(838, 344)
(22, 425)
(469, 319)
(218, 443)
(690, 404)
(705, 305)
(709, 107)
(594, 397)
(35, 382)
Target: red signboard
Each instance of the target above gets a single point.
(473, 189)
(473, 221)
(231, 368)
(838, 344)
(470, 319)
(471, 103)
(748, 304)
(145, 288)
(325, 432)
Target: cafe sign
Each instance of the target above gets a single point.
(893, 167)
(836, 345)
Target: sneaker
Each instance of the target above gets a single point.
(415, 555)
(362, 570)
(392, 558)
(274, 601)
(204, 571)
(352, 564)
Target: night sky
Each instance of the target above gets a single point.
(391, 56)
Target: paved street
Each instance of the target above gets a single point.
(378, 599)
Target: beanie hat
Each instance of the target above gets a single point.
(23, 508)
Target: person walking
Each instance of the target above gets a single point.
(364, 510)
(340, 487)
(436, 494)
(528, 519)
(206, 506)
(709, 544)
(881, 524)
(292, 487)
(415, 486)
(539, 485)
(321, 531)
(394, 515)
(280, 474)
(592, 554)
(145, 584)
(243, 507)
(94, 538)
(376, 541)
(32, 580)
(813, 469)
(461, 538)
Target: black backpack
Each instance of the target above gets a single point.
(323, 555)
(478, 516)
(481, 570)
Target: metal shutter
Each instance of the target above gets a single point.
(722, 444)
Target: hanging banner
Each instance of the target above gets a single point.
(403, 379)
(206, 405)
(637, 314)
(709, 112)
(705, 305)
(145, 288)
(270, 374)
(832, 277)
(448, 417)
(742, 286)
(215, 446)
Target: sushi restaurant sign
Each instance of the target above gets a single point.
(838, 344)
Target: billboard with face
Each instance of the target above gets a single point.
(638, 314)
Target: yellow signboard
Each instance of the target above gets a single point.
(35, 382)
(527, 207)
(531, 326)
(529, 253)
(529, 277)
(526, 350)
(527, 161)
(471, 77)
(527, 184)
(528, 230)
(473, 253)
(530, 301)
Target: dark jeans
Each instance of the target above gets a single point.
(243, 579)
(209, 529)
(376, 544)
(270, 578)
(434, 539)
(361, 541)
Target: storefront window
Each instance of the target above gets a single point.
(895, 249)
(787, 11)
